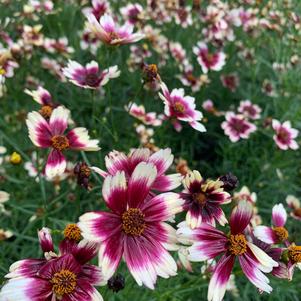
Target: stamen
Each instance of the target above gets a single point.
(72, 232)
(200, 198)
(60, 142)
(237, 244)
(46, 111)
(281, 233)
(63, 282)
(294, 253)
(179, 107)
(133, 222)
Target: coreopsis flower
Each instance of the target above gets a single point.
(5, 234)
(203, 200)
(131, 12)
(178, 53)
(117, 161)
(147, 118)
(179, 107)
(248, 109)
(230, 81)
(42, 5)
(98, 9)
(237, 127)
(135, 227)
(292, 256)
(294, 204)
(89, 76)
(89, 41)
(285, 135)
(210, 242)
(51, 134)
(60, 46)
(245, 194)
(209, 61)
(278, 233)
(187, 78)
(66, 276)
(54, 67)
(183, 16)
(110, 33)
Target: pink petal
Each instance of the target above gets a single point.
(56, 164)
(117, 161)
(167, 183)
(265, 234)
(59, 120)
(240, 217)
(25, 268)
(279, 215)
(162, 159)
(45, 240)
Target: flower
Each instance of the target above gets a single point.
(98, 9)
(117, 161)
(131, 12)
(135, 227)
(50, 134)
(90, 76)
(110, 33)
(181, 108)
(203, 199)
(4, 196)
(230, 81)
(249, 109)
(237, 127)
(15, 158)
(207, 60)
(41, 96)
(66, 276)
(147, 118)
(276, 234)
(294, 204)
(5, 234)
(245, 194)
(208, 243)
(285, 135)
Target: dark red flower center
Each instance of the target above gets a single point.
(283, 135)
(179, 107)
(200, 198)
(60, 142)
(63, 282)
(297, 212)
(281, 233)
(92, 79)
(294, 253)
(133, 222)
(46, 111)
(72, 232)
(237, 244)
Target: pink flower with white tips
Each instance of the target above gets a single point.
(147, 118)
(135, 228)
(98, 9)
(285, 135)
(110, 33)
(179, 107)
(51, 134)
(203, 200)
(210, 243)
(41, 96)
(90, 76)
(237, 127)
(248, 109)
(131, 12)
(209, 61)
(117, 161)
(295, 205)
(276, 234)
(64, 277)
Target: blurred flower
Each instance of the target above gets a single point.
(147, 118)
(5, 234)
(131, 12)
(136, 223)
(285, 135)
(230, 81)
(294, 204)
(90, 76)
(230, 181)
(15, 158)
(237, 127)
(245, 194)
(98, 9)
(249, 109)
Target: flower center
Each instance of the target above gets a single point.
(60, 142)
(72, 232)
(281, 233)
(237, 244)
(133, 222)
(46, 111)
(92, 79)
(114, 35)
(200, 198)
(294, 253)
(63, 282)
(179, 107)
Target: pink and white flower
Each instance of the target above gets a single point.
(285, 135)
(179, 107)
(178, 53)
(41, 96)
(110, 33)
(136, 227)
(295, 205)
(98, 9)
(277, 233)
(89, 76)
(203, 200)
(245, 194)
(248, 109)
(117, 161)
(188, 79)
(209, 61)
(147, 118)
(210, 243)
(237, 127)
(131, 12)
(230, 81)
(60, 46)
(51, 134)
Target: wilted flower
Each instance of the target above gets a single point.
(116, 283)
(83, 172)
(230, 181)
(294, 204)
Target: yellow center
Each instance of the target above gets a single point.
(133, 222)
(200, 198)
(294, 253)
(60, 142)
(281, 233)
(46, 111)
(237, 244)
(63, 282)
(72, 232)
(179, 107)
(2, 71)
